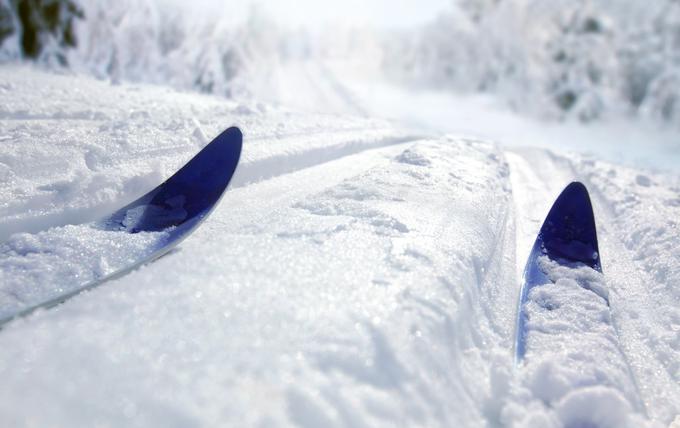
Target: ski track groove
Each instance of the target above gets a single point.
(271, 167)
(543, 188)
(620, 269)
(248, 172)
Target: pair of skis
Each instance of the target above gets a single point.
(181, 203)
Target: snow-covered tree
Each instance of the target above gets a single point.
(562, 59)
(42, 29)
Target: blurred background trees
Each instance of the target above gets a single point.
(558, 59)
(563, 58)
(39, 28)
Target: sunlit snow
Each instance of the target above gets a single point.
(364, 266)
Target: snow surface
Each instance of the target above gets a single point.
(574, 363)
(357, 272)
(36, 268)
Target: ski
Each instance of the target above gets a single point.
(567, 236)
(164, 217)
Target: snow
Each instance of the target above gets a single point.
(39, 267)
(574, 368)
(117, 151)
(358, 272)
(639, 143)
(318, 327)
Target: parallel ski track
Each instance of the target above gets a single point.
(262, 169)
(633, 307)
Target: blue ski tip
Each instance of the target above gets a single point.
(568, 235)
(569, 232)
(189, 195)
(176, 208)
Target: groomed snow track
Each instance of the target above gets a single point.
(354, 275)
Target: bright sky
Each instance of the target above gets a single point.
(315, 14)
(380, 13)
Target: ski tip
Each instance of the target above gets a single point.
(189, 194)
(231, 139)
(203, 179)
(234, 132)
(226, 146)
(569, 231)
